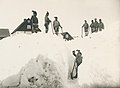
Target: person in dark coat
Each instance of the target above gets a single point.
(77, 62)
(96, 25)
(100, 25)
(34, 21)
(56, 25)
(47, 22)
(86, 28)
(92, 26)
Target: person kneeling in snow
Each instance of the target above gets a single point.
(78, 61)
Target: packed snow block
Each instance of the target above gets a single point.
(44, 64)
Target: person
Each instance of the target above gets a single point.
(96, 25)
(34, 21)
(47, 21)
(92, 26)
(77, 62)
(100, 25)
(56, 25)
(86, 28)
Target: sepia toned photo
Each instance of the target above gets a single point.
(59, 43)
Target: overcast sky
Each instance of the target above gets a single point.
(71, 13)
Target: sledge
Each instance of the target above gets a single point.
(67, 36)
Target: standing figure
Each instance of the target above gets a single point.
(100, 25)
(96, 25)
(56, 25)
(92, 26)
(47, 21)
(77, 62)
(34, 21)
(86, 28)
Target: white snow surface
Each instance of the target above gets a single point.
(26, 55)
(101, 52)
(101, 58)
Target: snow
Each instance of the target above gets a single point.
(101, 57)
(15, 48)
(26, 54)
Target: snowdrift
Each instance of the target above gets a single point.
(47, 60)
(37, 60)
(101, 58)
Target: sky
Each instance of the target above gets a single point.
(70, 13)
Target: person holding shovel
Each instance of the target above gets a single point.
(77, 62)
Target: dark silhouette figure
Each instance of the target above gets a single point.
(92, 26)
(34, 21)
(47, 21)
(77, 62)
(86, 28)
(96, 25)
(100, 25)
(56, 25)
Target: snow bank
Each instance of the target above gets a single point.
(43, 57)
(101, 59)
(37, 54)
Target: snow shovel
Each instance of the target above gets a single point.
(73, 73)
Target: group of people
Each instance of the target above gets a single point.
(56, 24)
(95, 26)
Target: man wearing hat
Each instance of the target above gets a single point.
(78, 57)
(92, 26)
(34, 20)
(56, 25)
(100, 25)
(96, 25)
(77, 62)
(47, 21)
(86, 28)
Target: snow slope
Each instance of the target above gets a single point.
(36, 55)
(30, 53)
(101, 63)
